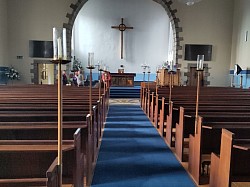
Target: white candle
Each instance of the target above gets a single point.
(201, 64)
(200, 59)
(64, 45)
(55, 44)
(59, 45)
(90, 59)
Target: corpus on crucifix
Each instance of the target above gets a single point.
(122, 27)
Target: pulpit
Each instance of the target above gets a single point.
(122, 79)
(164, 77)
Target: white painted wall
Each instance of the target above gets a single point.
(3, 33)
(148, 41)
(240, 47)
(32, 20)
(209, 22)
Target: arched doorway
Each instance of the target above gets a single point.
(167, 5)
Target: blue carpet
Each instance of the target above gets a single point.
(125, 92)
(133, 154)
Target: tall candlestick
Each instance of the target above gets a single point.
(64, 45)
(57, 59)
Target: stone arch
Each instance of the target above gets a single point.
(166, 4)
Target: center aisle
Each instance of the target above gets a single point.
(133, 154)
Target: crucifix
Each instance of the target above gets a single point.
(122, 27)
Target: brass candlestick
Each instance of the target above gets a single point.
(99, 67)
(157, 81)
(200, 60)
(59, 118)
(148, 103)
(197, 99)
(170, 86)
(100, 81)
(90, 67)
(148, 76)
(144, 67)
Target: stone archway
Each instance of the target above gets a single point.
(166, 4)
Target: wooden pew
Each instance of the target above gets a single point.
(48, 130)
(207, 140)
(184, 128)
(167, 121)
(232, 165)
(51, 179)
(27, 103)
(36, 130)
(39, 154)
(223, 100)
(186, 122)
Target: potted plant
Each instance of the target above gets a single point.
(13, 74)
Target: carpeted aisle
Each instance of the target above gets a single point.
(133, 154)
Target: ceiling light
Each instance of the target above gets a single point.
(189, 2)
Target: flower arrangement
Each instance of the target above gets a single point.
(13, 74)
(77, 65)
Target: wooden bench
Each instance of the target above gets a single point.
(48, 130)
(39, 154)
(51, 179)
(161, 115)
(186, 125)
(186, 122)
(207, 140)
(23, 107)
(234, 102)
(232, 164)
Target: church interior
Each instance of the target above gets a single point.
(113, 93)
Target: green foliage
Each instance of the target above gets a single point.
(77, 65)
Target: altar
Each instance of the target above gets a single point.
(122, 79)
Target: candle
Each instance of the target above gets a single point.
(200, 59)
(55, 44)
(200, 64)
(91, 59)
(59, 47)
(64, 45)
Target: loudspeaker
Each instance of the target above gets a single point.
(237, 69)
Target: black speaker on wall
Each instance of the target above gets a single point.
(237, 69)
(40, 49)
(192, 50)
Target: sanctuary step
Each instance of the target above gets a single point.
(125, 92)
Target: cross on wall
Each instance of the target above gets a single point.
(122, 27)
